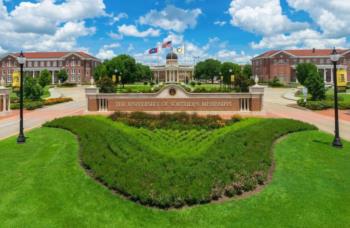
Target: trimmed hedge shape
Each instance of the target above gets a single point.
(172, 168)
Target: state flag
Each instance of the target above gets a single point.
(180, 50)
(153, 51)
(167, 44)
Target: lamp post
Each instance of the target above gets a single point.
(335, 58)
(21, 138)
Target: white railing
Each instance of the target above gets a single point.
(102, 105)
(244, 104)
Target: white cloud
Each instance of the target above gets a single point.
(47, 24)
(117, 18)
(332, 16)
(220, 23)
(233, 56)
(105, 54)
(301, 39)
(131, 30)
(262, 17)
(172, 18)
(176, 39)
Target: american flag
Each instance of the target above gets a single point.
(166, 44)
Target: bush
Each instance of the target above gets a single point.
(180, 121)
(315, 85)
(33, 105)
(32, 90)
(62, 76)
(106, 85)
(324, 104)
(193, 84)
(44, 78)
(53, 101)
(68, 85)
(145, 83)
(275, 83)
(172, 168)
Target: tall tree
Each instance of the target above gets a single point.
(226, 67)
(247, 71)
(126, 66)
(208, 69)
(143, 73)
(44, 78)
(100, 71)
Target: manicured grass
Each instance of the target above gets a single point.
(167, 168)
(43, 185)
(134, 88)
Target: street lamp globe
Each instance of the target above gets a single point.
(230, 70)
(335, 56)
(21, 59)
(116, 71)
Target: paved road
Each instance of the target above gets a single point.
(9, 124)
(277, 106)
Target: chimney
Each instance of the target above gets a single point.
(313, 50)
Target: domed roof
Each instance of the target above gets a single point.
(171, 55)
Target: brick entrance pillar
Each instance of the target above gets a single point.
(4, 100)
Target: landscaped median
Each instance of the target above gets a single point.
(189, 160)
(42, 184)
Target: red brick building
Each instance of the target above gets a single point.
(78, 65)
(282, 63)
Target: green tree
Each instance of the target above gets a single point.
(44, 78)
(126, 66)
(247, 71)
(143, 73)
(32, 90)
(242, 83)
(208, 69)
(106, 85)
(303, 70)
(315, 84)
(100, 71)
(62, 76)
(225, 71)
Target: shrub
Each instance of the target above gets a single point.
(53, 101)
(193, 83)
(172, 168)
(145, 83)
(62, 76)
(32, 90)
(315, 85)
(33, 105)
(44, 78)
(106, 85)
(68, 84)
(275, 83)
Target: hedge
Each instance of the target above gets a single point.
(173, 168)
(32, 105)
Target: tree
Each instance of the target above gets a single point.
(208, 69)
(62, 76)
(303, 70)
(106, 85)
(143, 73)
(308, 76)
(247, 71)
(225, 71)
(44, 78)
(100, 71)
(315, 84)
(32, 90)
(242, 83)
(126, 66)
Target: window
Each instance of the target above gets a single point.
(321, 61)
(36, 64)
(73, 78)
(79, 63)
(29, 64)
(73, 63)
(54, 63)
(9, 78)
(48, 64)
(42, 63)
(79, 71)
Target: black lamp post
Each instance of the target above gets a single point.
(21, 138)
(335, 58)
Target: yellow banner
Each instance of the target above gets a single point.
(16, 79)
(342, 77)
(232, 78)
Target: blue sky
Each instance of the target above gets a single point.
(229, 30)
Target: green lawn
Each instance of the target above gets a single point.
(43, 185)
(134, 88)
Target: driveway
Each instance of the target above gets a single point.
(9, 124)
(276, 106)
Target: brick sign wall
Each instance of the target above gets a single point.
(175, 98)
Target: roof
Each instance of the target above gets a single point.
(52, 55)
(303, 52)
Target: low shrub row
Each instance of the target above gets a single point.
(180, 121)
(324, 104)
(147, 167)
(32, 105)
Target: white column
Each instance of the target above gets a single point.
(332, 75)
(3, 103)
(53, 77)
(33, 73)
